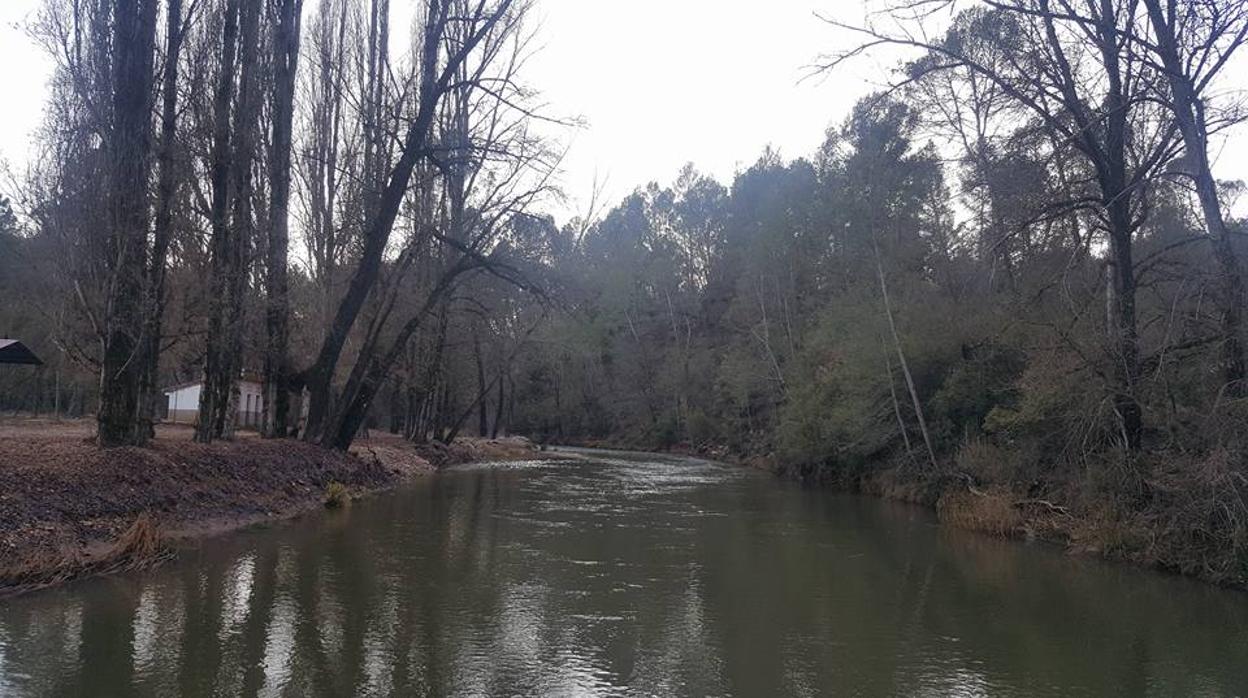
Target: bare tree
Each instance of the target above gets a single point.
(128, 147)
(1075, 70)
(477, 27)
(1193, 41)
(218, 376)
(901, 358)
(236, 114)
(276, 363)
(168, 181)
(324, 106)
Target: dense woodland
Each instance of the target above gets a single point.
(1011, 269)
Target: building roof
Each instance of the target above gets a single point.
(14, 352)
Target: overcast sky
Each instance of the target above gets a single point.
(658, 82)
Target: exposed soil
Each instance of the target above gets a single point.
(69, 508)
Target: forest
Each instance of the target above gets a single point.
(1008, 284)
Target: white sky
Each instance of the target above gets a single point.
(665, 82)
(658, 82)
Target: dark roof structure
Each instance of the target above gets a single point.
(14, 352)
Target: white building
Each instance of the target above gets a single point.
(182, 402)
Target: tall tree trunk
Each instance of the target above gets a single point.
(430, 379)
(1124, 331)
(216, 375)
(128, 150)
(901, 356)
(498, 408)
(1189, 112)
(277, 316)
(483, 411)
(484, 391)
(166, 192)
(892, 392)
(1117, 196)
(370, 371)
(233, 187)
(246, 137)
(374, 85)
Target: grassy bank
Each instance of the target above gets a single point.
(69, 509)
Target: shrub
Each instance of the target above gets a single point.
(337, 495)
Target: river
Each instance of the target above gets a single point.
(624, 575)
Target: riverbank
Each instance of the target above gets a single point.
(1165, 511)
(70, 509)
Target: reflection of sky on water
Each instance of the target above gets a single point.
(624, 576)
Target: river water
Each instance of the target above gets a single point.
(624, 575)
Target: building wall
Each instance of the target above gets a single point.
(250, 401)
(183, 404)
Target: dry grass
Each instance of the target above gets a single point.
(989, 463)
(903, 483)
(1196, 517)
(1173, 510)
(141, 546)
(337, 496)
(994, 511)
(142, 541)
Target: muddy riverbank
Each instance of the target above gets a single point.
(69, 509)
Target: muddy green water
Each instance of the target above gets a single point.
(624, 576)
